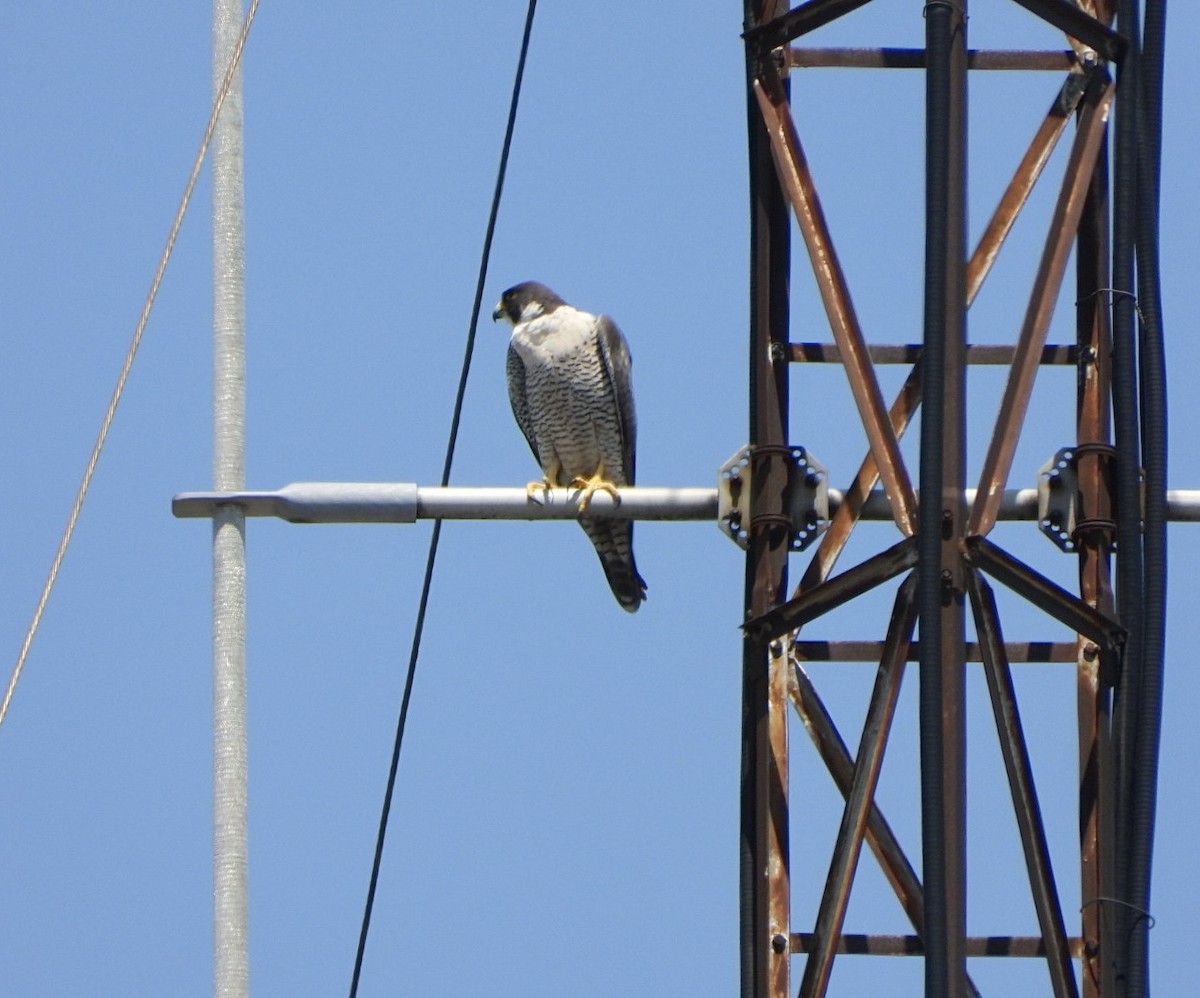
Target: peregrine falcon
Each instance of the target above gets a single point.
(570, 387)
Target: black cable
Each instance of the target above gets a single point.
(1144, 782)
(437, 524)
(1126, 425)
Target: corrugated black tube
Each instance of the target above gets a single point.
(1128, 483)
(1154, 455)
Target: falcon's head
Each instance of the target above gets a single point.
(526, 301)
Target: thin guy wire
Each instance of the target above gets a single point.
(419, 626)
(119, 390)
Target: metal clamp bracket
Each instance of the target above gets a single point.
(1059, 514)
(1058, 495)
(806, 500)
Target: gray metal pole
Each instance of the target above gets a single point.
(231, 967)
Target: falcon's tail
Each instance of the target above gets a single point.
(613, 540)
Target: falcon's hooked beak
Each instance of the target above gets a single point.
(498, 311)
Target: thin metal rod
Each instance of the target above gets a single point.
(231, 970)
(1020, 781)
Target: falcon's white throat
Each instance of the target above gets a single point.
(555, 336)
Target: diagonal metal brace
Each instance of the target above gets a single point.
(1041, 592)
(833, 592)
(800, 21)
(1077, 23)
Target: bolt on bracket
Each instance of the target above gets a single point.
(1058, 495)
(806, 499)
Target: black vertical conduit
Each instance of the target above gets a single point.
(1144, 782)
(1126, 427)
(939, 26)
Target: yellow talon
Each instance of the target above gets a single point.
(545, 485)
(590, 486)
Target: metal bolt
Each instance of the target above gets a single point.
(1091, 651)
(779, 943)
(776, 648)
(778, 351)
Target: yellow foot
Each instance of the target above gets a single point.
(544, 486)
(590, 486)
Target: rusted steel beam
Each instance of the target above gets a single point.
(881, 709)
(910, 353)
(1094, 544)
(805, 18)
(880, 945)
(1063, 226)
(1068, 18)
(1065, 607)
(765, 886)
(905, 58)
(1021, 186)
(797, 181)
(834, 592)
(1017, 652)
(1021, 784)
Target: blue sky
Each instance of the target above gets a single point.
(566, 814)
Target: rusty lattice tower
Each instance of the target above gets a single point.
(944, 555)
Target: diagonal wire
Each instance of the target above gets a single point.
(437, 524)
(131, 353)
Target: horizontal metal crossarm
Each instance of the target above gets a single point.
(910, 353)
(909, 58)
(1016, 652)
(884, 945)
(406, 502)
